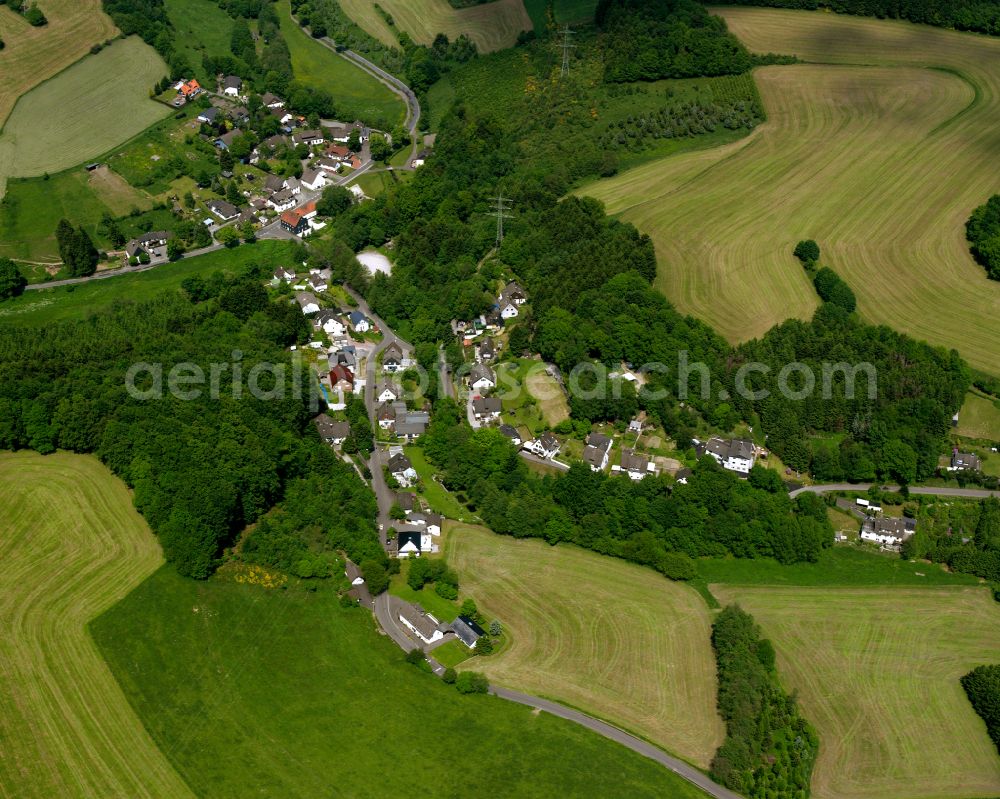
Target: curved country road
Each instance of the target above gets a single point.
(968, 493)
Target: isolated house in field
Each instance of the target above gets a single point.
(359, 322)
(736, 455)
(307, 302)
(596, 450)
(965, 461)
(886, 531)
(545, 446)
(634, 464)
(402, 470)
(330, 431)
(222, 209)
(511, 433)
(209, 115)
(422, 624)
(486, 409)
(482, 378)
(468, 631)
(231, 85)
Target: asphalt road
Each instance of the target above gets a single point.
(968, 493)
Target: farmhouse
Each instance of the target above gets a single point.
(965, 461)
(467, 631)
(482, 378)
(330, 431)
(887, 531)
(596, 450)
(307, 302)
(420, 623)
(736, 455)
(222, 209)
(231, 85)
(486, 409)
(402, 470)
(209, 115)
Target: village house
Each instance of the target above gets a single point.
(188, 89)
(431, 522)
(511, 433)
(468, 631)
(482, 378)
(274, 183)
(345, 356)
(282, 273)
(545, 446)
(406, 501)
(387, 392)
(410, 424)
(294, 223)
(330, 431)
(231, 86)
(222, 209)
(420, 159)
(307, 302)
(386, 413)
(420, 623)
(294, 185)
(402, 470)
(330, 323)
(310, 138)
(225, 141)
(634, 464)
(683, 475)
(887, 531)
(486, 409)
(313, 179)
(596, 450)
(337, 152)
(487, 350)
(736, 455)
(392, 357)
(272, 100)
(282, 200)
(148, 243)
(359, 322)
(514, 293)
(317, 283)
(965, 461)
(209, 115)
(328, 164)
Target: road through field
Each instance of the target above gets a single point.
(614, 639)
(877, 673)
(878, 149)
(71, 545)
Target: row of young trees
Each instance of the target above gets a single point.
(770, 748)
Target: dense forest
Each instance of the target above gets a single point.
(202, 469)
(654, 39)
(652, 522)
(769, 749)
(983, 232)
(982, 686)
(982, 16)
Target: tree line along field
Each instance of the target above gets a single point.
(33, 55)
(879, 150)
(84, 110)
(72, 545)
(256, 691)
(877, 674)
(492, 26)
(611, 638)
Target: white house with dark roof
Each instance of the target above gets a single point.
(317, 283)
(545, 446)
(486, 409)
(282, 273)
(231, 85)
(634, 464)
(965, 461)
(596, 450)
(313, 179)
(402, 470)
(511, 433)
(887, 531)
(329, 322)
(482, 378)
(421, 623)
(386, 391)
(468, 631)
(736, 455)
(359, 322)
(307, 302)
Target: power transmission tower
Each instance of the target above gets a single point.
(501, 208)
(566, 47)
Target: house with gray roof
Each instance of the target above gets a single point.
(467, 631)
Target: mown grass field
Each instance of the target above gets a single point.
(268, 693)
(877, 673)
(879, 151)
(33, 55)
(979, 417)
(83, 300)
(71, 545)
(357, 94)
(492, 26)
(611, 638)
(83, 111)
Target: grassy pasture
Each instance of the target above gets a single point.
(878, 150)
(979, 417)
(257, 692)
(33, 55)
(612, 638)
(83, 111)
(492, 26)
(877, 674)
(72, 545)
(358, 95)
(83, 300)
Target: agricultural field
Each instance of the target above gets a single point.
(258, 692)
(979, 417)
(908, 117)
(358, 94)
(80, 301)
(492, 26)
(83, 111)
(72, 546)
(877, 674)
(33, 55)
(614, 639)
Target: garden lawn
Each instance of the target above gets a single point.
(280, 693)
(979, 417)
(440, 499)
